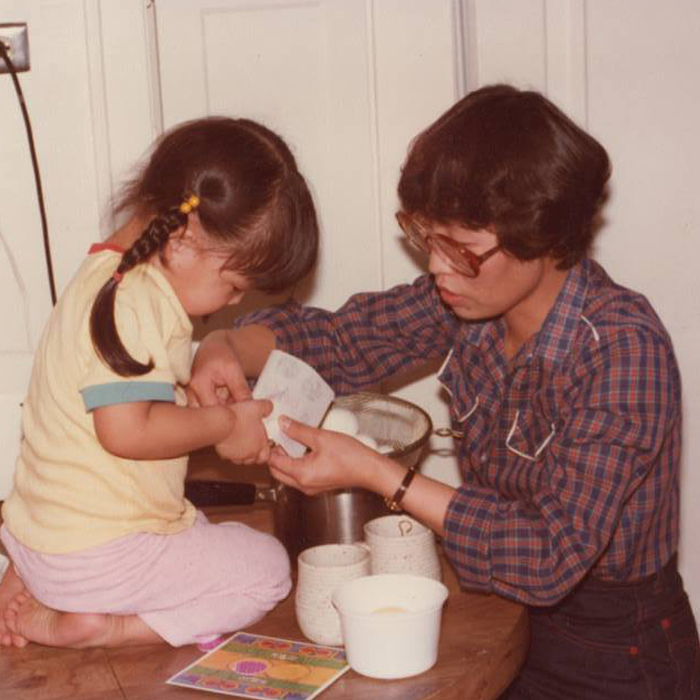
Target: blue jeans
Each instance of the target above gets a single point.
(614, 641)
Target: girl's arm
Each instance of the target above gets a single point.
(152, 430)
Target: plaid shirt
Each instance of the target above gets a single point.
(569, 453)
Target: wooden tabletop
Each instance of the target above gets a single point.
(483, 641)
(482, 645)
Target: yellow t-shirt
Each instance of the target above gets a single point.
(70, 493)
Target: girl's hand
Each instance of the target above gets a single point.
(217, 375)
(334, 460)
(247, 443)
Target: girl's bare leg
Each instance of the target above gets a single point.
(10, 586)
(30, 621)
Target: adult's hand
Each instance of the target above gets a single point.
(334, 461)
(217, 374)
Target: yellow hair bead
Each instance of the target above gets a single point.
(192, 202)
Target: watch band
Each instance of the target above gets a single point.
(394, 503)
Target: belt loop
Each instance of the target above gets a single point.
(666, 575)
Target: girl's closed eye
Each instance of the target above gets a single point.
(236, 284)
(235, 295)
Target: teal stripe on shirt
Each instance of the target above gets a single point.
(113, 393)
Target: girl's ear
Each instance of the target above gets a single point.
(181, 244)
(186, 235)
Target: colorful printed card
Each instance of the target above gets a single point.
(254, 666)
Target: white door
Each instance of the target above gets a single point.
(16, 346)
(347, 83)
(57, 96)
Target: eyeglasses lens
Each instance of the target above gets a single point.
(415, 235)
(460, 258)
(463, 260)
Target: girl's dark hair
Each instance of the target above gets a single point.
(509, 160)
(253, 202)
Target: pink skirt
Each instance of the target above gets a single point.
(208, 580)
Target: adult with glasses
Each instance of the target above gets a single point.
(564, 392)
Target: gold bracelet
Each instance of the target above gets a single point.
(394, 503)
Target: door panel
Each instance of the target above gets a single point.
(300, 68)
(347, 84)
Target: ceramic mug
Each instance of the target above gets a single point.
(400, 544)
(321, 570)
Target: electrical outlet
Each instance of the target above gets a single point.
(15, 37)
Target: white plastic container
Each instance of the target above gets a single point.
(391, 623)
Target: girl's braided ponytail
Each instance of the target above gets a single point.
(103, 328)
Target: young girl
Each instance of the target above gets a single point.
(105, 549)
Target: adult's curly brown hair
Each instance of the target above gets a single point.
(511, 161)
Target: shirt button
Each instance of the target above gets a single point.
(484, 457)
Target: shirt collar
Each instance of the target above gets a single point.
(99, 247)
(554, 340)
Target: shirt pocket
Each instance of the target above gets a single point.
(530, 434)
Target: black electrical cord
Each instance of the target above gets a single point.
(35, 163)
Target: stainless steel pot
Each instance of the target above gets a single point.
(302, 521)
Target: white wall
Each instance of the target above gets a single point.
(627, 69)
(56, 93)
(90, 108)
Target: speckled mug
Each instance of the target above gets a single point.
(399, 544)
(321, 570)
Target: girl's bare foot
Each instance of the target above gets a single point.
(10, 586)
(31, 621)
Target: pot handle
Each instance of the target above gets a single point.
(225, 493)
(448, 432)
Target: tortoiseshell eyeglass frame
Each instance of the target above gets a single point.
(458, 255)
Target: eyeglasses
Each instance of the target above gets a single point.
(456, 254)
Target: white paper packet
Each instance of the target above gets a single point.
(296, 390)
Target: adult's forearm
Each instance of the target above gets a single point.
(425, 499)
(251, 345)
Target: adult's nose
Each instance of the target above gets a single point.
(438, 263)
